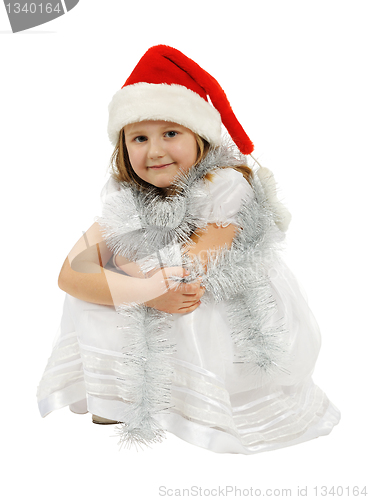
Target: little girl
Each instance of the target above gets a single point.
(180, 314)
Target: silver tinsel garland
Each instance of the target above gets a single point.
(148, 373)
(149, 229)
(138, 222)
(239, 276)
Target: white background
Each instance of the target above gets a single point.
(296, 74)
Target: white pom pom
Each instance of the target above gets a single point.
(283, 216)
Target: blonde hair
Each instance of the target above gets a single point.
(122, 171)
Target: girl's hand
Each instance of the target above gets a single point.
(173, 298)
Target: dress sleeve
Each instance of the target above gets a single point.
(226, 191)
(110, 187)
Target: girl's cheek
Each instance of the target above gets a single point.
(134, 157)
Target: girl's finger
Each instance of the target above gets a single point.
(191, 288)
(196, 295)
(190, 308)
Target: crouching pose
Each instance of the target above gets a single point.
(180, 314)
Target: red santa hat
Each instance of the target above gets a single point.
(167, 85)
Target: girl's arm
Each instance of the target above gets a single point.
(212, 238)
(83, 276)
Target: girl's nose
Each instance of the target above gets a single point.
(156, 150)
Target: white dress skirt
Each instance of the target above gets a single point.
(216, 403)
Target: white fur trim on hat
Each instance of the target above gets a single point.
(172, 103)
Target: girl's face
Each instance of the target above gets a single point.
(159, 150)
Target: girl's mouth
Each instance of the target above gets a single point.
(156, 167)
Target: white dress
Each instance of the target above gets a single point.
(215, 403)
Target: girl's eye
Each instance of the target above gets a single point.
(172, 133)
(140, 138)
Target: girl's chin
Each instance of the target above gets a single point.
(162, 186)
(162, 183)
